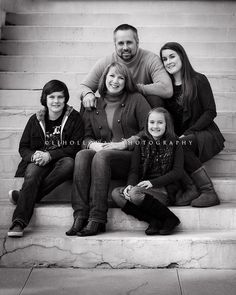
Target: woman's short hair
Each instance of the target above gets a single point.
(130, 86)
(169, 133)
(54, 86)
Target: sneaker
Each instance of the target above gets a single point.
(13, 196)
(15, 231)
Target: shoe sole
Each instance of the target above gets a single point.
(205, 205)
(11, 198)
(15, 234)
(82, 234)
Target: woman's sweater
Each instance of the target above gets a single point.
(129, 119)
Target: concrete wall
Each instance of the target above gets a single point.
(12, 6)
(2, 15)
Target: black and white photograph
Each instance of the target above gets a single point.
(117, 147)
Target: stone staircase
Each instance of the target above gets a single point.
(52, 39)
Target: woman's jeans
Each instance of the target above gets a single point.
(38, 182)
(92, 174)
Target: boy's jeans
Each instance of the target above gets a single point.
(38, 182)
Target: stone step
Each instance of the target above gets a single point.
(220, 82)
(88, 7)
(104, 33)
(111, 19)
(71, 48)
(17, 118)
(48, 63)
(49, 247)
(226, 120)
(223, 164)
(82, 62)
(225, 101)
(224, 186)
(221, 217)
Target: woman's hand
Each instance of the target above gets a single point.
(145, 184)
(96, 146)
(121, 145)
(126, 192)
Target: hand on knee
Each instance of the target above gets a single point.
(118, 197)
(136, 196)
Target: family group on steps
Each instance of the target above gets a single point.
(152, 124)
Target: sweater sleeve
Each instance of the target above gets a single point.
(91, 81)
(133, 177)
(25, 143)
(89, 135)
(176, 172)
(207, 103)
(142, 109)
(162, 84)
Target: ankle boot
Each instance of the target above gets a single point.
(77, 226)
(160, 212)
(92, 228)
(189, 193)
(208, 196)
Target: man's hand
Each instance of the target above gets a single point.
(89, 100)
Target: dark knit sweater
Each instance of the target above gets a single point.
(159, 162)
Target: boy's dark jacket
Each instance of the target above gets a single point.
(33, 137)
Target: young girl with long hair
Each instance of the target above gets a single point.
(157, 163)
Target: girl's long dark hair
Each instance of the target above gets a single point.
(170, 132)
(188, 74)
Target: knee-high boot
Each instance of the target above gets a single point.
(137, 212)
(160, 212)
(208, 196)
(189, 193)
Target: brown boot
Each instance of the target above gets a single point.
(208, 196)
(190, 192)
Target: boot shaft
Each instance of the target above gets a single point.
(202, 180)
(208, 196)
